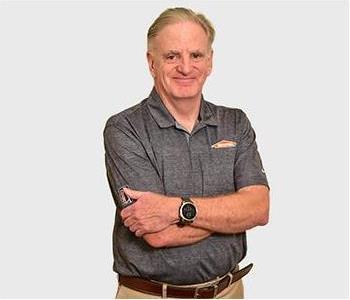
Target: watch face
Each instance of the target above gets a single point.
(189, 211)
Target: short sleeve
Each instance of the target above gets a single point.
(127, 162)
(248, 169)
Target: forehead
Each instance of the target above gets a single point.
(181, 36)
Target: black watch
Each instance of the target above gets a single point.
(187, 211)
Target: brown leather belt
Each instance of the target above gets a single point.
(166, 290)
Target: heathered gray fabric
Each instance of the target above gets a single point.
(186, 133)
(145, 150)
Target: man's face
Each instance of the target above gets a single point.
(180, 59)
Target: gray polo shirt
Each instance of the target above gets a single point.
(147, 150)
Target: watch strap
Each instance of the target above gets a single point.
(186, 199)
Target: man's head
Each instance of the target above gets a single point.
(177, 15)
(180, 52)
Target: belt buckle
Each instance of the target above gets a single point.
(214, 286)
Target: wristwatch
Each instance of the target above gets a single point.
(187, 211)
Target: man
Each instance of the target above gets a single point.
(193, 173)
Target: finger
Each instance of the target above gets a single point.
(139, 233)
(128, 222)
(126, 212)
(133, 194)
(133, 228)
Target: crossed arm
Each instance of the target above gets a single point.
(154, 216)
(227, 214)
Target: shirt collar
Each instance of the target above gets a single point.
(164, 119)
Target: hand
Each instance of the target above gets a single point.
(150, 213)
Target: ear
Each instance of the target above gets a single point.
(150, 59)
(210, 62)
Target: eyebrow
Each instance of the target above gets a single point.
(176, 52)
(197, 51)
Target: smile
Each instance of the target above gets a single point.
(184, 81)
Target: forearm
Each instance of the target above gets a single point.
(235, 212)
(232, 213)
(174, 236)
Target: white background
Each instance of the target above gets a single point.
(65, 67)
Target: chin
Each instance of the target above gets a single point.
(184, 95)
(186, 92)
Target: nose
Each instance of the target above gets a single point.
(184, 66)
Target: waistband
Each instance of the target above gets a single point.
(203, 290)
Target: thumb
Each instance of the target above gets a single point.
(133, 194)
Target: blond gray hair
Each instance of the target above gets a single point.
(176, 15)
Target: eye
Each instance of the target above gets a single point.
(197, 56)
(171, 57)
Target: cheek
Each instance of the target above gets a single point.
(163, 78)
(204, 70)
(204, 74)
(208, 67)
(167, 74)
(208, 70)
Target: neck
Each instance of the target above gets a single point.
(184, 110)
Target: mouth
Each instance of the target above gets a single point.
(184, 81)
